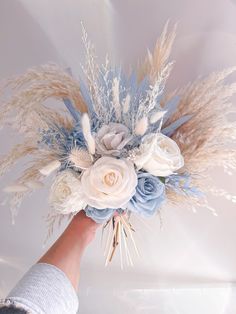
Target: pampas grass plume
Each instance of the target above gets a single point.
(80, 158)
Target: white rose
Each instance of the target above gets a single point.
(159, 155)
(109, 183)
(112, 138)
(66, 196)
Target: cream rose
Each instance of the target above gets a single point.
(109, 183)
(159, 155)
(111, 138)
(66, 196)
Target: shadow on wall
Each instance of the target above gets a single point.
(23, 42)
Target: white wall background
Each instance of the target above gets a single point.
(188, 266)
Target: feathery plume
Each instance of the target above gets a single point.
(80, 158)
(17, 152)
(155, 62)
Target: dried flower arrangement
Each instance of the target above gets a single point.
(124, 147)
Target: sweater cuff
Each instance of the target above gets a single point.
(45, 289)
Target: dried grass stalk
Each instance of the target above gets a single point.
(17, 152)
(29, 93)
(32, 173)
(208, 138)
(158, 60)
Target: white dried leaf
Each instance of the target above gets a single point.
(157, 116)
(15, 188)
(126, 103)
(34, 185)
(141, 126)
(85, 123)
(116, 97)
(52, 166)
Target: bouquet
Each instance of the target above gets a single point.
(122, 146)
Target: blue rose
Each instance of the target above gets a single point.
(99, 215)
(149, 196)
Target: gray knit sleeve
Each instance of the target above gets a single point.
(44, 289)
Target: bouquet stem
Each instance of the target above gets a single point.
(120, 231)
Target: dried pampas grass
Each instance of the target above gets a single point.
(26, 112)
(30, 175)
(17, 152)
(208, 138)
(157, 61)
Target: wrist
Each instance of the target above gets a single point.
(84, 228)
